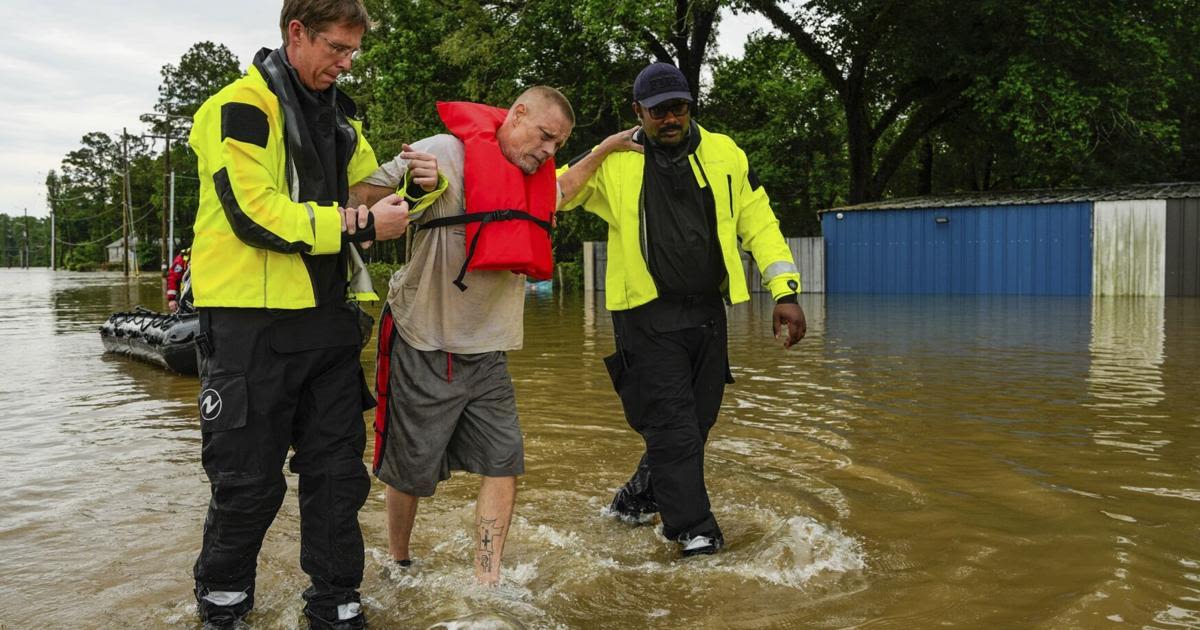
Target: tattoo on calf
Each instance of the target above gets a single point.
(489, 534)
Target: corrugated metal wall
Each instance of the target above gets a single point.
(1183, 247)
(1129, 254)
(1026, 250)
(809, 254)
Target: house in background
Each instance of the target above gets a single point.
(115, 248)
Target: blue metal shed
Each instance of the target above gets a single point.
(1022, 242)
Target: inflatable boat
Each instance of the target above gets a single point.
(166, 340)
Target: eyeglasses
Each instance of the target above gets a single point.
(343, 51)
(678, 108)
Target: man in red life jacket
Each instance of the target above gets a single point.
(447, 398)
(175, 276)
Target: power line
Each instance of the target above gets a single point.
(107, 236)
(65, 217)
(76, 198)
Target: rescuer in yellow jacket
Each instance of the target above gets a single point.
(678, 201)
(255, 225)
(280, 336)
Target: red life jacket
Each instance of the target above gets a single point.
(175, 275)
(507, 212)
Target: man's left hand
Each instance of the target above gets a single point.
(792, 316)
(355, 219)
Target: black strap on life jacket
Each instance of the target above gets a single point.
(484, 218)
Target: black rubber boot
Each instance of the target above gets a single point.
(634, 502)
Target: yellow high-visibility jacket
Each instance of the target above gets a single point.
(250, 231)
(743, 212)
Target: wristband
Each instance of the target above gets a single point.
(363, 234)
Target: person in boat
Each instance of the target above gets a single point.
(677, 211)
(274, 246)
(175, 277)
(447, 400)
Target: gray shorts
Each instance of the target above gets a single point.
(448, 412)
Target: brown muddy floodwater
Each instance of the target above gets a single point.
(971, 462)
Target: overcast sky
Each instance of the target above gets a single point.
(75, 66)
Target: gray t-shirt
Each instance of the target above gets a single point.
(430, 312)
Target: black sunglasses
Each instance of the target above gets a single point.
(678, 108)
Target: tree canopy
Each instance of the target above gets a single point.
(844, 101)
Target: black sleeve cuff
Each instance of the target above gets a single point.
(413, 190)
(788, 299)
(363, 234)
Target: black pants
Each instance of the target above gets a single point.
(273, 380)
(670, 370)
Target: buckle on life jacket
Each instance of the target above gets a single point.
(483, 218)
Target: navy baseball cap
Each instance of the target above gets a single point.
(659, 82)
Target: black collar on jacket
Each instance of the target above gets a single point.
(308, 183)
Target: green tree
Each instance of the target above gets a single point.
(779, 109)
(24, 241)
(680, 32)
(1014, 93)
(899, 69)
(1183, 46)
(1085, 103)
(202, 71)
(87, 195)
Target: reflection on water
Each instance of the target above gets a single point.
(917, 461)
(1126, 374)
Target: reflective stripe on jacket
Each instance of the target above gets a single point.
(743, 213)
(249, 233)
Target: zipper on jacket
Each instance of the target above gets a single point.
(717, 228)
(644, 238)
(729, 180)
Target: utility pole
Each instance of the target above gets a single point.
(171, 235)
(125, 201)
(53, 260)
(167, 248)
(167, 181)
(25, 240)
(137, 271)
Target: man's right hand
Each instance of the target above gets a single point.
(391, 217)
(570, 182)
